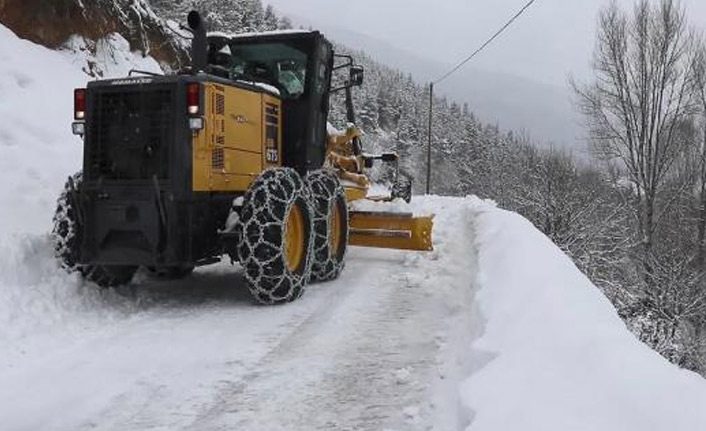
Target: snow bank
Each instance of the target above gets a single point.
(36, 110)
(37, 154)
(40, 304)
(554, 355)
(38, 150)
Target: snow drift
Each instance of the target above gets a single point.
(554, 355)
(37, 154)
(36, 109)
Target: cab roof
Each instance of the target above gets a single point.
(265, 35)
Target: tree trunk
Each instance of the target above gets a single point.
(701, 228)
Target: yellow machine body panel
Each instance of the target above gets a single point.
(241, 138)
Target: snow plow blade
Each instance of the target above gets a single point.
(400, 231)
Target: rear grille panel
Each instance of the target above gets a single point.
(218, 159)
(130, 133)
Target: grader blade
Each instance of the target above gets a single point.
(400, 231)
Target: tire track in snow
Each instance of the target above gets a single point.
(336, 370)
(376, 349)
(376, 360)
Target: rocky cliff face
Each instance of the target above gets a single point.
(52, 22)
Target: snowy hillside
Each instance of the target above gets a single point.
(494, 330)
(36, 109)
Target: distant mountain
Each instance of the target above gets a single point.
(543, 112)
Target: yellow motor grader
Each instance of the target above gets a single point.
(232, 156)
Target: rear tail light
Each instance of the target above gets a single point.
(80, 104)
(193, 99)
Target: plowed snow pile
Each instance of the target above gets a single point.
(554, 355)
(494, 330)
(37, 154)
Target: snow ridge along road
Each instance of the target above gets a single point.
(377, 349)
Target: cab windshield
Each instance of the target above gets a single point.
(274, 63)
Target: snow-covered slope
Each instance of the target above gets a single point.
(554, 355)
(36, 109)
(494, 330)
(37, 154)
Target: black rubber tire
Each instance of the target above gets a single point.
(65, 234)
(261, 229)
(67, 242)
(327, 194)
(170, 272)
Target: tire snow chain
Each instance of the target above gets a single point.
(265, 285)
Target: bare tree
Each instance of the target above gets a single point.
(700, 153)
(642, 93)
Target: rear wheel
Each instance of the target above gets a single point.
(275, 231)
(330, 225)
(67, 236)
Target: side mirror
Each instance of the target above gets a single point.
(357, 75)
(389, 157)
(384, 157)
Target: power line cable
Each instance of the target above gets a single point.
(449, 73)
(488, 42)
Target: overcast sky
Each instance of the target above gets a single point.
(553, 38)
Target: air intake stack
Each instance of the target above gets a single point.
(199, 45)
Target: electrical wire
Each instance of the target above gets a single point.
(488, 42)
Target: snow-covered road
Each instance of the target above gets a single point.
(381, 348)
(376, 349)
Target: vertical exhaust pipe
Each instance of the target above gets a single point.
(199, 44)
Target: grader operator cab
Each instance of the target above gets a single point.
(230, 157)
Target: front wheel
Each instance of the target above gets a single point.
(330, 225)
(275, 230)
